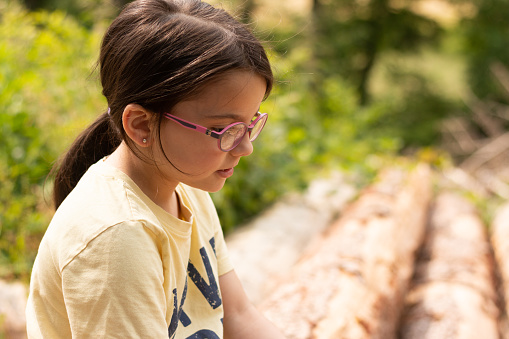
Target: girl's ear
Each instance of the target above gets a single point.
(137, 124)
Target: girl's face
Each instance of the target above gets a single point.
(234, 98)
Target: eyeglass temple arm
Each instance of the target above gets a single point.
(192, 126)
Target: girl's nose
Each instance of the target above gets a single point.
(243, 149)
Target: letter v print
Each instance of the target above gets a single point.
(210, 291)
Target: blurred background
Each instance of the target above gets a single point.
(360, 84)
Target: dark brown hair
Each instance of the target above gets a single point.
(157, 53)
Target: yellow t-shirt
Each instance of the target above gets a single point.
(114, 264)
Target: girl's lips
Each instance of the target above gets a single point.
(225, 173)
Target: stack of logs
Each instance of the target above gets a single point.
(401, 261)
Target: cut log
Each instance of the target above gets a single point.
(453, 293)
(266, 249)
(352, 283)
(500, 241)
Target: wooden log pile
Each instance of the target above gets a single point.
(399, 262)
(453, 293)
(352, 284)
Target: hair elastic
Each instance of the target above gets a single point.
(109, 111)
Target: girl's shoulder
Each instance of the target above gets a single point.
(104, 199)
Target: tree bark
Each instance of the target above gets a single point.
(376, 25)
(453, 293)
(352, 283)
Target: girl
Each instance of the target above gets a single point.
(135, 249)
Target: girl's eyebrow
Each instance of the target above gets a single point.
(225, 116)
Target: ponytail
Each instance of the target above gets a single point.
(97, 141)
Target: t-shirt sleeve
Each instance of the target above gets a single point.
(114, 286)
(223, 259)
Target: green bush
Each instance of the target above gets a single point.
(45, 97)
(24, 161)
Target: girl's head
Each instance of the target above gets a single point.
(157, 54)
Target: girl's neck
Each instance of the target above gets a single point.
(146, 177)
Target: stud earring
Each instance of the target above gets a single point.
(144, 140)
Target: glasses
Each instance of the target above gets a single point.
(230, 136)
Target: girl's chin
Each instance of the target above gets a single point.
(211, 185)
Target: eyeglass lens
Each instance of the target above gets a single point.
(233, 135)
(257, 128)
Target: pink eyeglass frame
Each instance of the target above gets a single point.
(218, 135)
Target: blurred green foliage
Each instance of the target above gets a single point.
(487, 38)
(23, 166)
(87, 12)
(350, 37)
(358, 82)
(45, 59)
